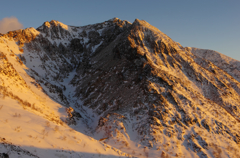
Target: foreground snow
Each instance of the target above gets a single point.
(32, 124)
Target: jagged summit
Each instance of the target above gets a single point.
(114, 19)
(54, 23)
(140, 22)
(23, 35)
(146, 30)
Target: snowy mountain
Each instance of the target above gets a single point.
(115, 89)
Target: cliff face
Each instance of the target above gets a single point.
(134, 88)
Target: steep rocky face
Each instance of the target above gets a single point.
(166, 89)
(57, 50)
(135, 88)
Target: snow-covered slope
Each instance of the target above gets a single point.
(127, 85)
(32, 123)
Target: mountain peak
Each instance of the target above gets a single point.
(54, 23)
(141, 26)
(114, 19)
(127, 85)
(145, 24)
(119, 22)
(139, 22)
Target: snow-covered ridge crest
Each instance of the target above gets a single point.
(228, 64)
(212, 55)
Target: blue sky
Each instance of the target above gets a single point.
(207, 24)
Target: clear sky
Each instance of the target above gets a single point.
(207, 24)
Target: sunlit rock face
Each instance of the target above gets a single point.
(135, 88)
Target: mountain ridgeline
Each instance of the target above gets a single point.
(135, 88)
